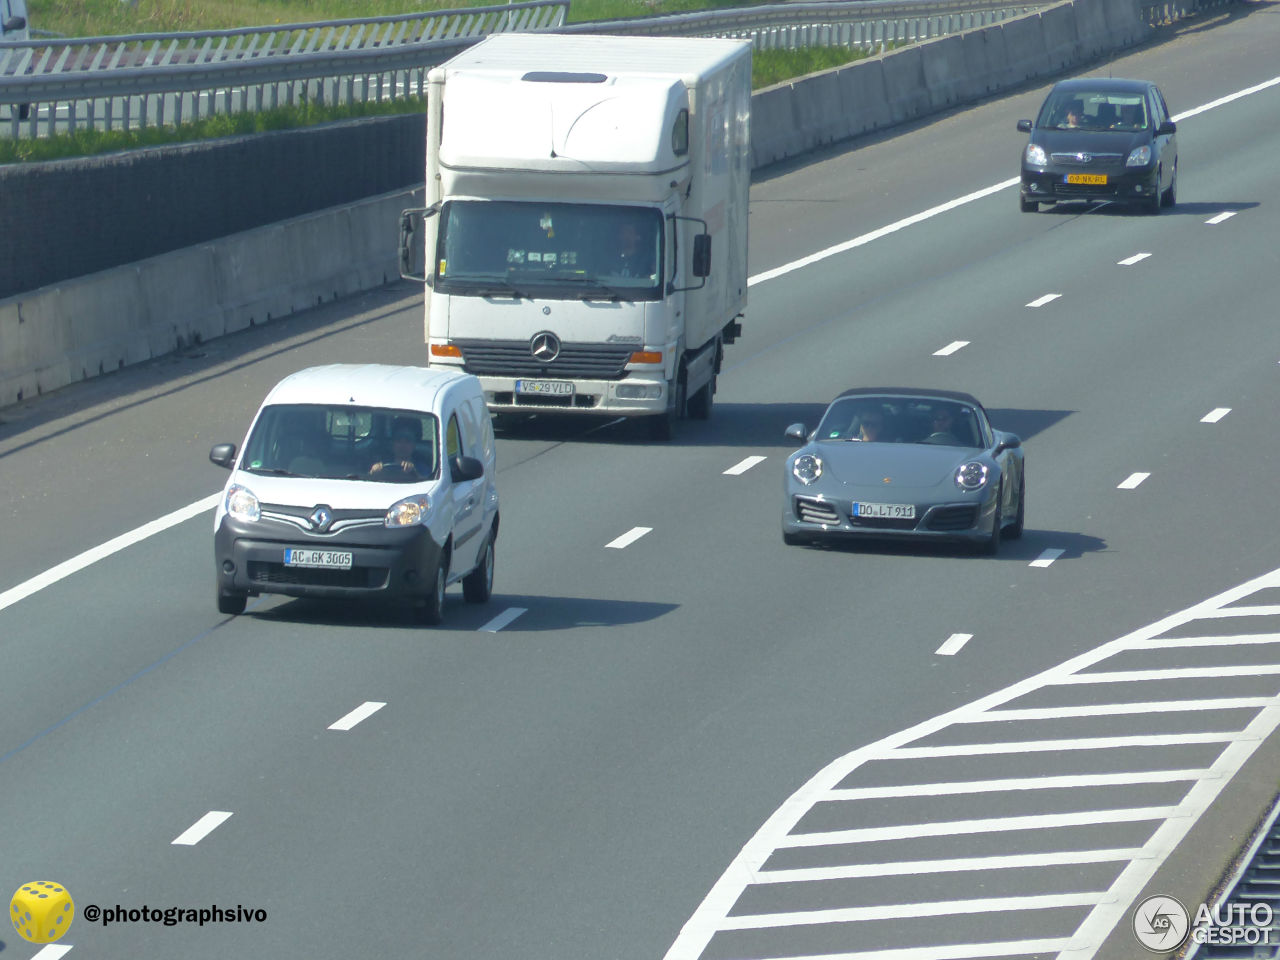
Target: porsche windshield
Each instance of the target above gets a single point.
(902, 420)
(550, 250)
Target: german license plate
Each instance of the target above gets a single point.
(546, 388)
(1098, 179)
(331, 559)
(890, 511)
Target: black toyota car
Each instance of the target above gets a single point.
(1099, 138)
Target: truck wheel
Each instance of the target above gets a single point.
(662, 426)
(700, 403)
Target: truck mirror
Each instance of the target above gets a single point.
(413, 264)
(14, 24)
(702, 255)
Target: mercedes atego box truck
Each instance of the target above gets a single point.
(584, 239)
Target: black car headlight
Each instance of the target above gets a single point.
(1139, 157)
(807, 468)
(971, 475)
(1035, 155)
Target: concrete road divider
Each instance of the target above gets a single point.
(101, 322)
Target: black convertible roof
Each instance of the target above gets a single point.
(910, 392)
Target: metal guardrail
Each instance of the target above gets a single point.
(132, 82)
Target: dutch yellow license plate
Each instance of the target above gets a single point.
(1090, 178)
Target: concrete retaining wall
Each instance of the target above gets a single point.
(68, 331)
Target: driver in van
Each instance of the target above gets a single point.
(405, 433)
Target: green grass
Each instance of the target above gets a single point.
(114, 17)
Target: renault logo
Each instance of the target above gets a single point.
(321, 518)
(544, 347)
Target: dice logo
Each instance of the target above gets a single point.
(41, 911)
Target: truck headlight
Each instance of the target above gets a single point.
(408, 512)
(242, 504)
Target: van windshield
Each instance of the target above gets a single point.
(550, 250)
(376, 444)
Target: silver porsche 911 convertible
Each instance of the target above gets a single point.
(902, 463)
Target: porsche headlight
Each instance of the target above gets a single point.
(807, 468)
(242, 504)
(971, 475)
(1139, 157)
(1036, 156)
(408, 512)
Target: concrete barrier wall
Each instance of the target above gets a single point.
(68, 331)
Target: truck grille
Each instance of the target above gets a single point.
(511, 358)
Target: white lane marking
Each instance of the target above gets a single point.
(1053, 746)
(1047, 298)
(1119, 709)
(503, 619)
(951, 646)
(1221, 217)
(951, 348)
(909, 911)
(101, 552)
(53, 951)
(628, 538)
(1132, 481)
(1222, 101)
(1173, 673)
(881, 232)
(1047, 557)
(1130, 261)
(1218, 641)
(741, 467)
(202, 828)
(1216, 414)
(362, 712)
(1012, 783)
(910, 868)
(959, 951)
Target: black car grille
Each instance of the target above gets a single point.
(953, 518)
(511, 358)
(1083, 189)
(1071, 160)
(883, 523)
(359, 578)
(809, 510)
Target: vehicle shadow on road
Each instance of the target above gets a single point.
(1198, 208)
(1029, 548)
(1025, 423)
(541, 613)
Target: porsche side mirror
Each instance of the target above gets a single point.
(797, 432)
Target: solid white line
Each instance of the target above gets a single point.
(362, 712)
(1119, 709)
(1221, 217)
(951, 348)
(738, 469)
(202, 828)
(1222, 101)
(1130, 261)
(53, 951)
(953, 644)
(950, 951)
(1173, 673)
(1236, 640)
(881, 232)
(1047, 557)
(1041, 821)
(102, 551)
(1049, 746)
(1214, 415)
(909, 868)
(502, 619)
(1261, 610)
(910, 911)
(1132, 481)
(628, 538)
(962, 787)
(1047, 298)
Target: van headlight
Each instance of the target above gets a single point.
(807, 468)
(971, 475)
(242, 504)
(408, 512)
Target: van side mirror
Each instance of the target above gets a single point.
(224, 455)
(702, 255)
(462, 469)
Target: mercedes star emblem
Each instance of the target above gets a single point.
(545, 347)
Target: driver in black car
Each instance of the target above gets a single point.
(403, 461)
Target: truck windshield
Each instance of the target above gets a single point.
(567, 251)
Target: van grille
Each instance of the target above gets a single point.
(358, 578)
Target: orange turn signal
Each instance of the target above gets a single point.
(647, 356)
(445, 350)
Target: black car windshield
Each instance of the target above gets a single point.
(1094, 110)
(565, 251)
(902, 420)
(375, 444)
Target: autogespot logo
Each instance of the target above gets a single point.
(1161, 924)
